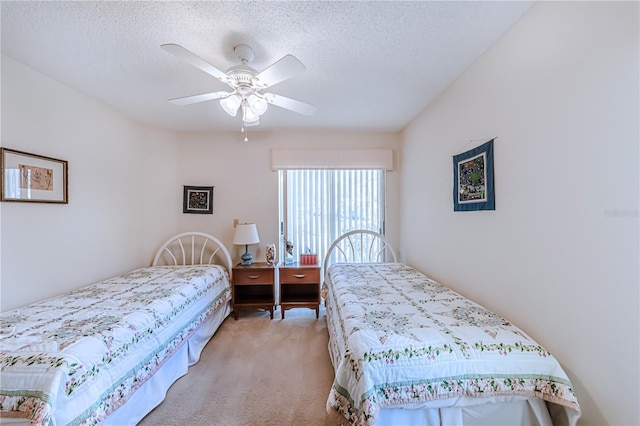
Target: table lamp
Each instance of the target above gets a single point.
(246, 233)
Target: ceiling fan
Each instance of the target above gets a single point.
(246, 84)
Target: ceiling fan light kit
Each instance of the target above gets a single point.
(230, 104)
(246, 83)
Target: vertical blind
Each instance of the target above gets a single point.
(319, 205)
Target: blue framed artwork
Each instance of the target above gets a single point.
(473, 187)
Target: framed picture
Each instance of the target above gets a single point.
(32, 178)
(198, 199)
(473, 187)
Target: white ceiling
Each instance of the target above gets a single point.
(370, 65)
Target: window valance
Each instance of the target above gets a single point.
(367, 159)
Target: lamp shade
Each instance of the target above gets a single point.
(257, 104)
(246, 233)
(248, 114)
(230, 104)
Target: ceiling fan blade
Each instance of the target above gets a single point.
(286, 67)
(290, 104)
(188, 100)
(196, 61)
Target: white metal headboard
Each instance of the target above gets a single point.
(193, 248)
(360, 246)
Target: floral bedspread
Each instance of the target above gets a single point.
(398, 337)
(65, 344)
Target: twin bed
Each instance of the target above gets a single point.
(107, 353)
(405, 349)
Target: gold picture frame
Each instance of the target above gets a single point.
(32, 178)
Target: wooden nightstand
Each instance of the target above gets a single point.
(299, 287)
(254, 287)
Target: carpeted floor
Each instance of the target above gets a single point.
(255, 371)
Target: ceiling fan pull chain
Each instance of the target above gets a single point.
(245, 131)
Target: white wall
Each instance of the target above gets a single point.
(118, 170)
(125, 186)
(559, 255)
(161, 204)
(246, 188)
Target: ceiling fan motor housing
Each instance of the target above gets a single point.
(241, 78)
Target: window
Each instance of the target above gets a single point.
(317, 206)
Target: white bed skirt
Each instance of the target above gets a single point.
(508, 411)
(153, 392)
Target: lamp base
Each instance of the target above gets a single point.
(247, 258)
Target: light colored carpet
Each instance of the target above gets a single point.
(255, 371)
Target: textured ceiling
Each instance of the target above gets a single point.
(370, 65)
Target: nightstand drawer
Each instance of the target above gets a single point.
(255, 276)
(300, 287)
(254, 287)
(300, 275)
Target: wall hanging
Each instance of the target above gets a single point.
(32, 178)
(473, 186)
(198, 199)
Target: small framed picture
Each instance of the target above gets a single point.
(32, 178)
(473, 187)
(198, 199)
